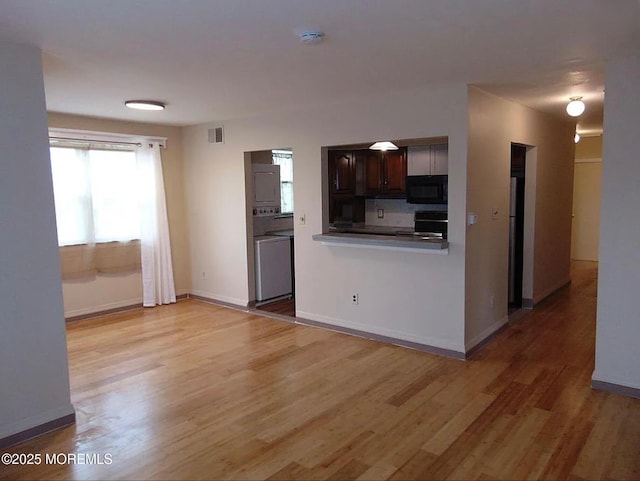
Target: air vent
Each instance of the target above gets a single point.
(216, 135)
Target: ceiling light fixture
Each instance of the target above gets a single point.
(575, 107)
(384, 145)
(144, 105)
(576, 138)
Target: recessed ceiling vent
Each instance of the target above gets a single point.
(216, 135)
(311, 38)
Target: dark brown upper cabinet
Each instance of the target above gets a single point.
(385, 172)
(341, 172)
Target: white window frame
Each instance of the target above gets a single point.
(275, 152)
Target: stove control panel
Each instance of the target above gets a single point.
(264, 211)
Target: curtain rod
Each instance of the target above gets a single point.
(95, 141)
(98, 141)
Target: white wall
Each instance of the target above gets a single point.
(618, 325)
(494, 123)
(413, 296)
(104, 292)
(585, 233)
(34, 378)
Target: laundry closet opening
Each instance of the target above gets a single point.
(270, 232)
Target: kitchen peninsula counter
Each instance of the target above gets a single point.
(385, 237)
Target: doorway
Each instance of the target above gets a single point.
(516, 224)
(270, 236)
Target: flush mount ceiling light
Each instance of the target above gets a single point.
(384, 145)
(311, 37)
(144, 105)
(576, 138)
(575, 107)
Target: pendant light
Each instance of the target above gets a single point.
(575, 107)
(383, 145)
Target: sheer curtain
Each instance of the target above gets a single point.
(96, 198)
(157, 270)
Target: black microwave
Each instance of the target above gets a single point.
(427, 189)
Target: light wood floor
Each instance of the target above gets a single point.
(284, 307)
(196, 391)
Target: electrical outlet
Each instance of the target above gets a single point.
(354, 298)
(380, 213)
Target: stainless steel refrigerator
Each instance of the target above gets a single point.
(516, 224)
(512, 238)
(516, 241)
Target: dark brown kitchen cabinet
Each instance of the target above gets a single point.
(373, 172)
(346, 201)
(346, 208)
(385, 172)
(341, 172)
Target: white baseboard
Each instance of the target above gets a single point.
(615, 384)
(485, 334)
(381, 331)
(537, 298)
(33, 421)
(210, 296)
(109, 306)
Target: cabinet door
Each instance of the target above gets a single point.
(359, 161)
(341, 173)
(373, 172)
(418, 160)
(266, 188)
(440, 159)
(346, 208)
(395, 165)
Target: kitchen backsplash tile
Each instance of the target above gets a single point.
(397, 212)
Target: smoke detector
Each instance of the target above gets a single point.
(311, 38)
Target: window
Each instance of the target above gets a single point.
(284, 158)
(95, 195)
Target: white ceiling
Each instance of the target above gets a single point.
(213, 60)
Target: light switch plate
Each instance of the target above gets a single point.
(495, 212)
(302, 219)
